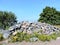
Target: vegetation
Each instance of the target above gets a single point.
(14, 38)
(48, 38)
(24, 36)
(1, 37)
(54, 36)
(43, 37)
(7, 19)
(58, 34)
(50, 15)
(27, 37)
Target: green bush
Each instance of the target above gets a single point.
(20, 36)
(14, 38)
(54, 36)
(17, 37)
(27, 37)
(35, 34)
(20, 39)
(1, 37)
(42, 37)
(48, 38)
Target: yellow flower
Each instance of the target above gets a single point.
(15, 38)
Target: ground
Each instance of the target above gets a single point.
(52, 42)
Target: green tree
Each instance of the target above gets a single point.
(50, 15)
(7, 19)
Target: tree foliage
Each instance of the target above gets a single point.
(50, 15)
(7, 19)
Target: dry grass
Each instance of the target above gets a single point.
(57, 26)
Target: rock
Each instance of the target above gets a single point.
(27, 27)
(15, 33)
(30, 28)
(58, 37)
(33, 39)
(29, 32)
(6, 34)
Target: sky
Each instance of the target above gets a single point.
(27, 10)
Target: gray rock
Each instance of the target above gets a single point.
(6, 34)
(25, 25)
(33, 39)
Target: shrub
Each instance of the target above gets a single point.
(20, 36)
(54, 36)
(20, 39)
(48, 38)
(17, 37)
(35, 34)
(42, 37)
(14, 38)
(1, 37)
(27, 37)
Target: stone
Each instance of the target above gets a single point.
(29, 32)
(33, 39)
(6, 34)
(58, 37)
(27, 27)
(15, 33)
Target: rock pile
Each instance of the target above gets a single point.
(29, 28)
(35, 26)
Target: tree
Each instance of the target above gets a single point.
(7, 19)
(50, 15)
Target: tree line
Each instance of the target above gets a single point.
(50, 15)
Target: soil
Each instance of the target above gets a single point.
(52, 42)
